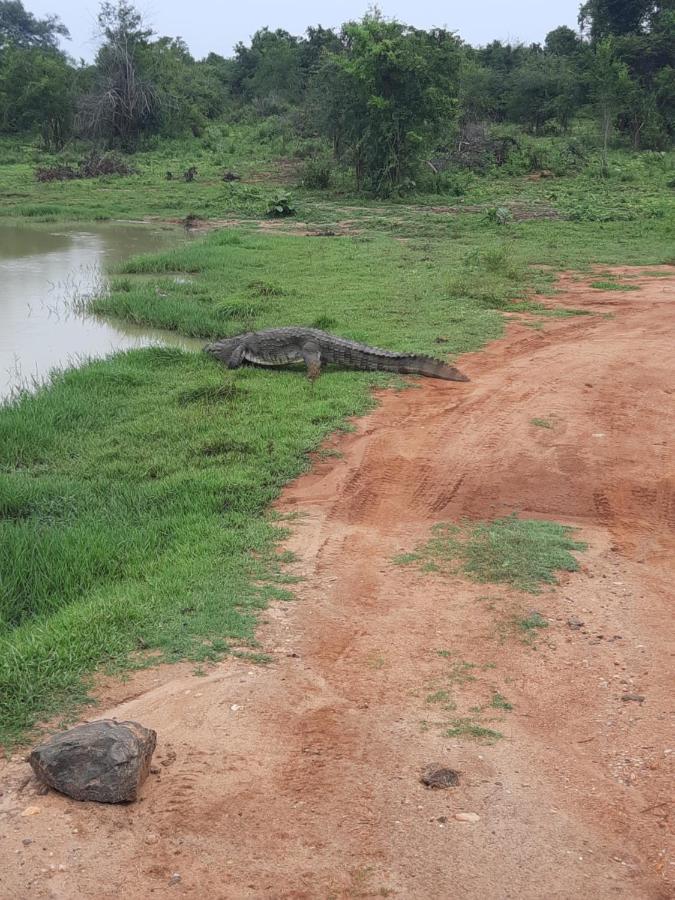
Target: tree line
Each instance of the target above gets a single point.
(382, 94)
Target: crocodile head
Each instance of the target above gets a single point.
(223, 349)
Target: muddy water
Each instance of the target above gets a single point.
(42, 270)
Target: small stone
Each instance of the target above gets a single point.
(635, 698)
(105, 761)
(467, 817)
(175, 879)
(31, 811)
(235, 707)
(27, 842)
(574, 622)
(436, 776)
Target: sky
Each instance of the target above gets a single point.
(207, 26)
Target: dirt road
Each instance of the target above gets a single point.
(300, 779)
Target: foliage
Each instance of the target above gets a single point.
(385, 96)
(280, 207)
(37, 92)
(19, 28)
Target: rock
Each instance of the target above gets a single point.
(175, 879)
(31, 811)
(574, 622)
(636, 698)
(106, 761)
(439, 777)
(467, 817)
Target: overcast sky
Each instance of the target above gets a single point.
(207, 25)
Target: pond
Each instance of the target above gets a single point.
(43, 272)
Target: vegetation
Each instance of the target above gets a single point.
(381, 96)
(524, 553)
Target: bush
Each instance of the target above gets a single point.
(318, 172)
(280, 207)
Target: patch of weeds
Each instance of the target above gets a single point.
(329, 453)
(280, 207)
(524, 553)
(438, 697)
(468, 728)
(613, 286)
(265, 289)
(542, 423)
(444, 653)
(259, 659)
(524, 625)
(498, 701)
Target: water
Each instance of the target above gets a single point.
(42, 271)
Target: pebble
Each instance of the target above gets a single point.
(636, 698)
(467, 817)
(175, 879)
(31, 811)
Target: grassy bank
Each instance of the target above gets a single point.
(634, 187)
(133, 492)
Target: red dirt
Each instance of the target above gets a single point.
(301, 779)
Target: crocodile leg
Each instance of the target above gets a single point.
(237, 357)
(311, 353)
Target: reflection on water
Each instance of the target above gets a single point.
(41, 271)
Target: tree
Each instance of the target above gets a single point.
(124, 101)
(37, 93)
(563, 41)
(605, 18)
(19, 28)
(544, 89)
(385, 96)
(479, 92)
(610, 83)
(269, 67)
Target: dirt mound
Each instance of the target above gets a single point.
(301, 779)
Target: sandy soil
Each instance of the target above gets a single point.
(300, 779)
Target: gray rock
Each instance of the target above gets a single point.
(106, 761)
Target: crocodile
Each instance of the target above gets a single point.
(293, 344)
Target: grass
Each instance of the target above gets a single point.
(465, 727)
(132, 514)
(134, 491)
(613, 286)
(498, 701)
(542, 423)
(523, 553)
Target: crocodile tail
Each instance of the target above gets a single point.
(422, 365)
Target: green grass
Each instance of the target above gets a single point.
(466, 727)
(498, 701)
(523, 553)
(132, 514)
(542, 423)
